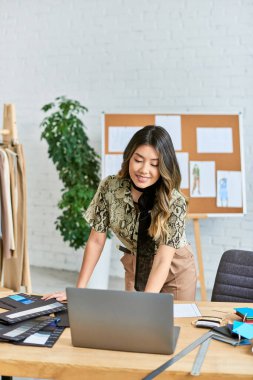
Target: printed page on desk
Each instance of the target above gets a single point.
(186, 310)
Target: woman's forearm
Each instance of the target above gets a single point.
(160, 269)
(92, 254)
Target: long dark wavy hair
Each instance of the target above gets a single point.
(170, 176)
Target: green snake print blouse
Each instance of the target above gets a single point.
(113, 207)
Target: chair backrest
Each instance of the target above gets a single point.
(234, 278)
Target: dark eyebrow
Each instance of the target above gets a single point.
(152, 159)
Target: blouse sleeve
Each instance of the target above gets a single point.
(176, 223)
(97, 214)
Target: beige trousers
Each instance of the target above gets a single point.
(181, 280)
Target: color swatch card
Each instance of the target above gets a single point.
(46, 337)
(245, 312)
(21, 330)
(16, 301)
(243, 329)
(33, 310)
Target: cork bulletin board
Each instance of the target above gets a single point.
(209, 151)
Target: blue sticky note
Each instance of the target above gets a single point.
(16, 297)
(236, 324)
(248, 311)
(245, 330)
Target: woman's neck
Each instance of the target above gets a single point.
(137, 191)
(135, 194)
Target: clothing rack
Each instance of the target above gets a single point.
(10, 139)
(9, 130)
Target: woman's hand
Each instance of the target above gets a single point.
(59, 296)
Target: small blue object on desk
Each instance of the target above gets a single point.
(243, 329)
(245, 312)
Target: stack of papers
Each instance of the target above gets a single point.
(186, 310)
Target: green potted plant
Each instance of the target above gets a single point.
(77, 163)
(78, 166)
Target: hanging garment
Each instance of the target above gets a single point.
(12, 158)
(8, 243)
(16, 270)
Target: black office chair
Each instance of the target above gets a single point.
(234, 278)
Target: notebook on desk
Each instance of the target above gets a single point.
(122, 321)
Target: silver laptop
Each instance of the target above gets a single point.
(122, 321)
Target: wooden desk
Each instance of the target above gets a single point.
(65, 362)
(5, 291)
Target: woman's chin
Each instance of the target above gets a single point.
(141, 184)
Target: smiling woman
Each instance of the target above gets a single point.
(145, 209)
(144, 166)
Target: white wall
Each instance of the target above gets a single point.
(124, 56)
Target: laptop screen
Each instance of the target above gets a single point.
(119, 320)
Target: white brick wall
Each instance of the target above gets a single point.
(124, 56)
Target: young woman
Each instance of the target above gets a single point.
(145, 209)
